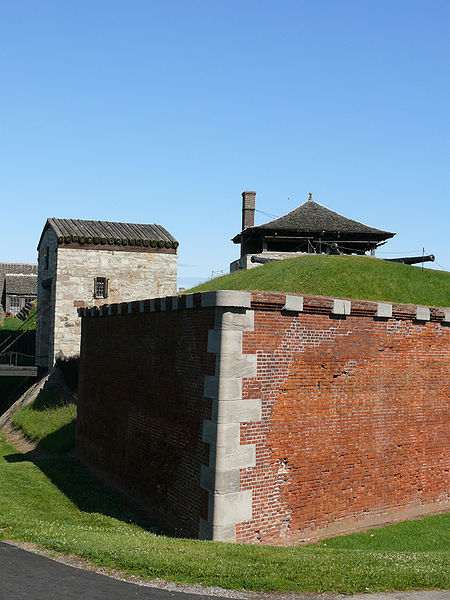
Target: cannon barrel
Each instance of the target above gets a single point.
(263, 261)
(412, 260)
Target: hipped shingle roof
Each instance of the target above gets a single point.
(313, 217)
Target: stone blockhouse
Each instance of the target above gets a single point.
(90, 263)
(18, 285)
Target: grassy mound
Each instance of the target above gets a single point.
(358, 277)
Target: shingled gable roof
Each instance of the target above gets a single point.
(107, 232)
(21, 284)
(313, 217)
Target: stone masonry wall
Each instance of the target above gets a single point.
(131, 276)
(308, 410)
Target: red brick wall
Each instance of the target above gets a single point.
(355, 415)
(354, 411)
(141, 406)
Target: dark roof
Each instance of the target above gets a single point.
(313, 217)
(22, 285)
(80, 231)
(17, 268)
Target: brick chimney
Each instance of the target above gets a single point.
(248, 209)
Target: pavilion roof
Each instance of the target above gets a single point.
(312, 217)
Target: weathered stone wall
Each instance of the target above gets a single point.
(131, 276)
(314, 410)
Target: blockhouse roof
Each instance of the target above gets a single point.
(77, 231)
(313, 217)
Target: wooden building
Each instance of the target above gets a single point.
(310, 228)
(18, 286)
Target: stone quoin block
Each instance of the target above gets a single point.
(231, 508)
(422, 313)
(231, 298)
(220, 388)
(242, 411)
(341, 307)
(222, 482)
(208, 531)
(384, 310)
(293, 304)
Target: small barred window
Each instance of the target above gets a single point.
(100, 287)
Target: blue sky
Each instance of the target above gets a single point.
(165, 111)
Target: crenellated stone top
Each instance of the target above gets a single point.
(275, 301)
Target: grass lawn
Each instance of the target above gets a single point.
(343, 277)
(50, 420)
(55, 504)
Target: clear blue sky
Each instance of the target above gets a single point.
(165, 111)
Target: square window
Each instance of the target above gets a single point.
(100, 287)
(14, 305)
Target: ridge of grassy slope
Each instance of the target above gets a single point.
(359, 277)
(50, 418)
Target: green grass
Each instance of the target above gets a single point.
(429, 534)
(49, 420)
(13, 323)
(55, 504)
(344, 277)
